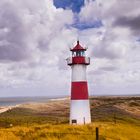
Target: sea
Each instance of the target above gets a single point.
(12, 101)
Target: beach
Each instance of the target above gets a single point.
(27, 102)
(6, 108)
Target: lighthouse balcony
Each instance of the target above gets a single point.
(78, 60)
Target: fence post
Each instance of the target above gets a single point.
(115, 121)
(97, 133)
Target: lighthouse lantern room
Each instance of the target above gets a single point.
(79, 106)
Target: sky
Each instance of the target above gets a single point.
(35, 37)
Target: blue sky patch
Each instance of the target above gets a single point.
(85, 25)
(75, 5)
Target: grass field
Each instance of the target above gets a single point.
(118, 118)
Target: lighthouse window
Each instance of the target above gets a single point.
(78, 53)
(73, 54)
(82, 53)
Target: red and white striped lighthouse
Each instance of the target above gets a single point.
(80, 107)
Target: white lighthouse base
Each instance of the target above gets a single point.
(80, 112)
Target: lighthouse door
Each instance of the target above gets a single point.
(74, 121)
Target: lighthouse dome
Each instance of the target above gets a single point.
(78, 47)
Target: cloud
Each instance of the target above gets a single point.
(130, 22)
(13, 34)
(124, 14)
(112, 41)
(23, 30)
(90, 12)
(88, 17)
(28, 50)
(35, 37)
(113, 44)
(108, 68)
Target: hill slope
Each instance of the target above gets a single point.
(116, 117)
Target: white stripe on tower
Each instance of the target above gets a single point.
(78, 72)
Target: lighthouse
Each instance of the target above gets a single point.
(79, 105)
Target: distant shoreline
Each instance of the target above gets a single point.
(9, 107)
(12, 101)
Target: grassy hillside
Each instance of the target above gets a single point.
(118, 118)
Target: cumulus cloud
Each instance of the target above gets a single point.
(131, 22)
(90, 12)
(113, 45)
(13, 34)
(31, 42)
(116, 35)
(35, 37)
(24, 27)
(121, 13)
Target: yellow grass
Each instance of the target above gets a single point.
(50, 121)
(107, 131)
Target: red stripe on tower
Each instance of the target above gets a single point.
(79, 90)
